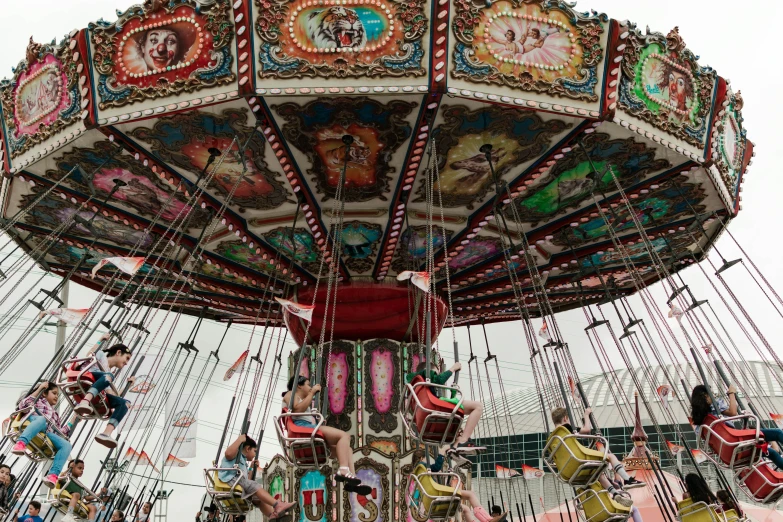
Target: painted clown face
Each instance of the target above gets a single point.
(677, 89)
(160, 48)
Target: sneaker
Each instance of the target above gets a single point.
(279, 510)
(50, 481)
(68, 518)
(359, 489)
(83, 409)
(468, 447)
(633, 483)
(106, 440)
(623, 500)
(19, 448)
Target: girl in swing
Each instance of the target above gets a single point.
(338, 441)
(43, 420)
(116, 356)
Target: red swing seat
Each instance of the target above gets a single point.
(731, 448)
(761, 482)
(75, 382)
(429, 418)
(305, 447)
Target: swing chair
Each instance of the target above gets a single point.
(690, 511)
(594, 504)
(76, 378)
(59, 498)
(428, 418)
(761, 482)
(431, 500)
(572, 462)
(40, 447)
(304, 447)
(728, 447)
(227, 496)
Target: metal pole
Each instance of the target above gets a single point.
(563, 392)
(61, 327)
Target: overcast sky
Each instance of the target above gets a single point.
(732, 37)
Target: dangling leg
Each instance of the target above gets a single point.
(119, 408)
(341, 442)
(103, 380)
(37, 425)
(473, 409)
(619, 469)
(63, 450)
(270, 507)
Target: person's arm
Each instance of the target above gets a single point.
(498, 518)
(437, 464)
(733, 408)
(105, 337)
(443, 378)
(588, 426)
(233, 449)
(33, 397)
(301, 406)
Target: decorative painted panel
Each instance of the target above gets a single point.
(382, 390)
(389, 446)
(338, 383)
(341, 38)
(516, 137)
(162, 49)
(542, 46)
(359, 244)
(42, 99)
(730, 143)
(375, 506)
(378, 130)
(184, 140)
(412, 247)
(663, 84)
(570, 181)
(303, 250)
(313, 494)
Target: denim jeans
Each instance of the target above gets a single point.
(62, 447)
(118, 405)
(774, 435)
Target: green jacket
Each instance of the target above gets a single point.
(435, 378)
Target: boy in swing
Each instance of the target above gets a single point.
(471, 408)
(116, 356)
(76, 470)
(237, 455)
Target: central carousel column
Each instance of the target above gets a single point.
(363, 380)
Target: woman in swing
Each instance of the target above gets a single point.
(339, 442)
(116, 356)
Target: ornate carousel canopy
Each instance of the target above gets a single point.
(239, 109)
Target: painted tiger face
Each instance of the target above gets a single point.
(336, 27)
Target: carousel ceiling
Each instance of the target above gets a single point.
(275, 85)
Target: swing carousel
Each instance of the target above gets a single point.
(359, 175)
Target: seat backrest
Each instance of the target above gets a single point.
(565, 451)
(599, 505)
(432, 488)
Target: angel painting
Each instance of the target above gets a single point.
(529, 42)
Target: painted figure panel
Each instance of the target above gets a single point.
(673, 199)
(143, 191)
(382, 393)
(731, 143)
(572, 180)
(375, 506)
(412, 247)
(162, 49)
(43, 97)
(516, 137)
(297, 244)
(663, 84)
(359, 245)
(638, 252)
(478, 250)
(533, 45)
(187, 139)
(389, 446)
(252, 258)
(349, 38)
(338, 382)
(53, 212)
(317, 130)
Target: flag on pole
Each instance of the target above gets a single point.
(529, 472)
(778, 418)
(181, 425)
(236, 367)
(505, 473)
(171, 460)
(544, 332)
(420, 279)
(129, 265)
(698, 456)
(72, 316)
(572, 386)
(599, 446)
(674, 448)
(676, 312)
(299, 310)
(139, 457)
(663, 393)
(141, 413)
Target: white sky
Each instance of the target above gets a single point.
(732, 37)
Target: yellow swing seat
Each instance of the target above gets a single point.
(40, 447)
(595, 504)
(228, 497)
(690, 511)
(572, 462)
(431, 500)
(59, 499)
